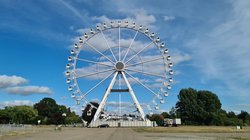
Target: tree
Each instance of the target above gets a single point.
(50, 112)
(231, 114)
(165, 115)
(244, 116)
(72, 117)
(172, 113)
(158, 118)
(18, 114)
(5, 116)
(197, 107)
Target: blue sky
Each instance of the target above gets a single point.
(209, 42)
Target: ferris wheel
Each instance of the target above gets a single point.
(124, 58)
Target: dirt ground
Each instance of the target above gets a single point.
(69, 133)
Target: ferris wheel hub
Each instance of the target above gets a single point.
(119, 66)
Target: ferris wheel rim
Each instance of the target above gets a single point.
(138, 30)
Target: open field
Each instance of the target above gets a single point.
(157, 133)
(194, 129)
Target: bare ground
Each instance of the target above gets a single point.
(180, 133)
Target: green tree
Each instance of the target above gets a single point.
(164, 114)
(5, 116)
(18, 114)
(245, 117)
(72, 117)
(197, 107)
(50, 112)
(158, 118)
(172, 113)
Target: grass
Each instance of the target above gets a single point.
(193, 129)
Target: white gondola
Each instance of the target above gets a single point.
(170, 65)
(146, 31)
(162, 45)
(70, 58)
(162, 101)
(73, 95)
(165, 94)
(80, 40)
(171, 72)
(98, 27)
(67, 73)
(68, 81)
(70, 88)
(157, 107)
(72, 52)
(104, 25)
(78, 102)
(68, 66)
(140, 27)
(166, 51)
(158, 39)
(126, 23)
(86, 35)
(112, 23)
(92, 31)
(169, 87)
(170, 80)
(133, 25)
(76, 46)
(152, 35)
(169, 58)
(119, 23)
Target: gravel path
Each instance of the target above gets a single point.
(118, 134)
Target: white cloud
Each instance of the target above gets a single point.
(13, 85)
(16, 103)
(222, 53)
(28, 90)
(7, 81)
(169, 18)
(179, 58)
(73, 10)
(139, 16)
(117, 104)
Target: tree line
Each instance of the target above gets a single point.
(202, 108)
(47, 111)
(193, 107)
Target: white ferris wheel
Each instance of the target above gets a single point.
(120, 60)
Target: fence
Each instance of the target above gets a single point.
(8, 128)
(124, 123)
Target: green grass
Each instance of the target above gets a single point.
(193, 129)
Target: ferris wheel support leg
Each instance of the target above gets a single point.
(104, 99)
(138, 106)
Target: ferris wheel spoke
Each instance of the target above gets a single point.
(94, 73)
(139, 52)
(100, 52)
(146, 73)
(129, 46)
(119, 46)
(86, 60)
(141, 84)
(119, 81)
(144, 62)
(89, 91)
(108, 45)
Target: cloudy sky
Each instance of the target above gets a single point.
(209, 42)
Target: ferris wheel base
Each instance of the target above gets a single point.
(146, 123)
